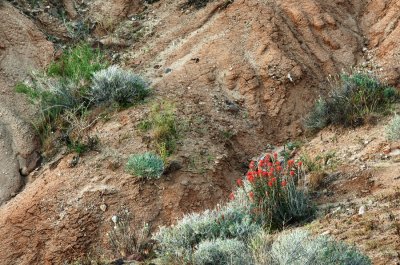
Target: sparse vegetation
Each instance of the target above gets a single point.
(126, 241)
(115, 85)
(355, 98)
(147, 165)
(163, 124)
(393, 129)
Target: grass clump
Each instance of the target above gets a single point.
(357, 97)
(147, 165)
(78, 64)
(393, 129)
(298, 247)
(163, 124)
(115, 85)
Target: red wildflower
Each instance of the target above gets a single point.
(270, 174)
(300, 163)
(275, 156)
(259, 172)
(273, 180)
(250, 176)
(231, 196)
(267, 158)
(261, 163)
(277, 163)
(264, 173)
(278, 168)
(239, 182)
(284, 183)
(272, 169)
(270, 164)
(251, 195)
(290, 163)
(270, 183)
(251, 166)
(292, 173)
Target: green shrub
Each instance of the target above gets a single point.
(221, 252)
(147, 165)
(277, 191)
(232, 221)
(78, 64)
(298, 247)
(358, 96)
(114, 85)
(393, 129)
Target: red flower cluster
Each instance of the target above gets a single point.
(269, 174)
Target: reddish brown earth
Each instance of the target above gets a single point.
(242, 76)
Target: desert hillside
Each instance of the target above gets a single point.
(224, 81)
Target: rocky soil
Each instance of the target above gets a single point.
(242, 74)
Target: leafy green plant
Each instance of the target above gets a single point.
(147, 165)
(356, 97)
(393, 129)
(115, 85)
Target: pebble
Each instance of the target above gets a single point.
(361, 211)
(103, 207)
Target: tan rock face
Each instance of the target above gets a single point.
(22, 49)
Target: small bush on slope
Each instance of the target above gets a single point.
(115, 85)
(277, 191)
(357, 96)
(298, 247)
(178, 243)
(221, 252)
(393, 129)
(147, 165)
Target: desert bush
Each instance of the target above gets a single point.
(147, 165)
(298, 247)
(393, 129)
(356, 97)
(232, 221)
(78, 64)
(126, 241)
(277, 191)
(115, 85)
(221, 252)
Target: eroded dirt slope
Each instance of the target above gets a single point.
(242, 76)
(22, 49)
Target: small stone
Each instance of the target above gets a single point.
(361, 211)
(184, 182)
(328, 232)
(103, 207)
(114, 218)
